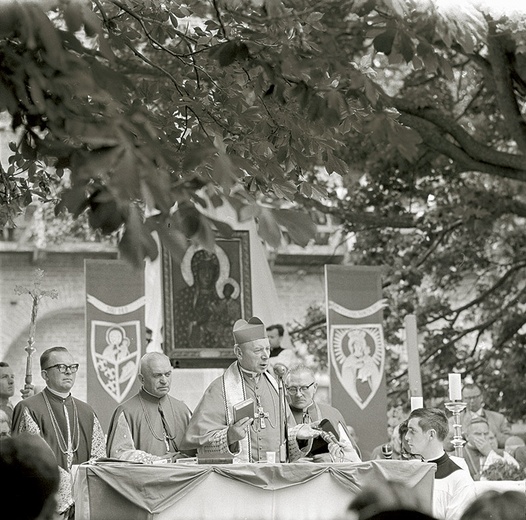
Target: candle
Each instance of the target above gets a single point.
(455, 387)
(417, 402)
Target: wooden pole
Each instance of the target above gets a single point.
(413, 361)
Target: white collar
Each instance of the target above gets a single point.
(60, 394)
(441, 454)
(249, 373)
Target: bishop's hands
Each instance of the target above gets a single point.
(238, 430)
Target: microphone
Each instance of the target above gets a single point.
(280, 370)
(387, 451)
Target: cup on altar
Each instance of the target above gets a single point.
(271, 457)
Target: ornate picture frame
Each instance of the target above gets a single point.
(203, 297)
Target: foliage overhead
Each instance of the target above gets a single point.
(147, 115)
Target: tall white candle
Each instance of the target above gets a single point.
(455, 387)
(417, 402)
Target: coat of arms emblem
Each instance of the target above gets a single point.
(115, 355)
(358, 355)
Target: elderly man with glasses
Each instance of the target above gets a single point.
(475, 410)
(68, 425)
(336, 443)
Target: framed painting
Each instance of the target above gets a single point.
(203, 297)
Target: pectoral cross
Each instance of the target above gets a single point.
(260, 415)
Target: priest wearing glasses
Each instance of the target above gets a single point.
(301, 388)
(68, 425)
(214, 432)
(149, 427)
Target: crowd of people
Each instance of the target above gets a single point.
(285, 420)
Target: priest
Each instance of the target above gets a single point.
(212, 429)
(68, 425)
(301, 388)
(149, 427)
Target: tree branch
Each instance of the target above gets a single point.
(505, 95)
(436, 141)
(474, 149)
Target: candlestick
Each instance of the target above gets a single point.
(417, 402)
(458, 440)
(455, 387)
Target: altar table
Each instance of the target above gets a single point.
(296, 491)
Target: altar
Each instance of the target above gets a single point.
(296, 491)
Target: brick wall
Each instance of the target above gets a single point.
(60, 321)
(297, 289)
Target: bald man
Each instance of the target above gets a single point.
(149, 427)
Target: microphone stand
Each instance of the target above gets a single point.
(280, 371)
(283, 426)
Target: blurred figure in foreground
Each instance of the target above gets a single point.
(494, 505)
(390, 501)
(30, 477)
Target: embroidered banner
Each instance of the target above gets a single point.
(115, 333)
(356, 350)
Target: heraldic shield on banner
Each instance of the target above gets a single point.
(115, 355)
(358, 355)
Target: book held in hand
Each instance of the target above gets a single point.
(319, 445)
(244, 409)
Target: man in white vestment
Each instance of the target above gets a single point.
(454, 488)
(212, 430)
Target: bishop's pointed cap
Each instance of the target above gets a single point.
(251, 330)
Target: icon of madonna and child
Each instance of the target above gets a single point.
(209, 302)
(359, 356)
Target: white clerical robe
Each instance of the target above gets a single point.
(208, 427)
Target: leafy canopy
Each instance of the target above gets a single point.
(148, 114)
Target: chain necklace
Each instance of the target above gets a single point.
(68, 449)
(164, 438)
(260, 416)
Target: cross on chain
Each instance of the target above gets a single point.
(260, 415)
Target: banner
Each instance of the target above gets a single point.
(356, 351)
(115, 333)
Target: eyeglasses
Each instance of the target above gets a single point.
(64, 368)
(293, 389)
(471, 397)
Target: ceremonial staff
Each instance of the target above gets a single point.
(36, 295)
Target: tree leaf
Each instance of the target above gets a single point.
(298, 224)
(384, 42)
(268, 228)
(137, 242)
